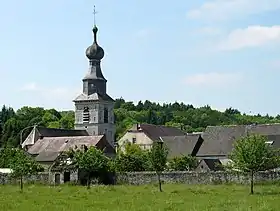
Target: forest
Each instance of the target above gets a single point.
(185, 117)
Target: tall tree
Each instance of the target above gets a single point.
(253, 153)
(158, 157)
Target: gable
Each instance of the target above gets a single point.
(139, 137)
(210, 164)
(31, 138)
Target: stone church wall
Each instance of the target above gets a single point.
(141, 178)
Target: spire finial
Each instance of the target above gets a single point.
(94, 15)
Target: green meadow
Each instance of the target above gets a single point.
(173, 197)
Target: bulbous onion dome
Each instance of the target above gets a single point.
(95, 52)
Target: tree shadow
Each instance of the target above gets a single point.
(267, 193)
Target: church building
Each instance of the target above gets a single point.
(94, 117)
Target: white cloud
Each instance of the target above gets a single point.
(228, 9)
(213, 79)
(252, 36)
(30, 87)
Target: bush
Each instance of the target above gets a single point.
(132, 159)
(184, 163)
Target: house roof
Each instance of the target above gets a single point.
(213, 164)
(181, 145)
(154, 132)
(48, 148)
(47, 156)
(54, 132)
(93, 97)
(219, 140)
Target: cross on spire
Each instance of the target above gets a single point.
(94, 15)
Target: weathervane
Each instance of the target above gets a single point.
(94, 15)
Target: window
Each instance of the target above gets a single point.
(133, 140)
(93, 88)
(86, 115)
(94, 119)
(106, 114)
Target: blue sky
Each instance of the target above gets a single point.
(218, 52)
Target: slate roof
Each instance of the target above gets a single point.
(47, 156)
(93, 97)
(48, 148)
(54, 132)
(181, 145)
(213, 164)
(156, 131)
(218, 140)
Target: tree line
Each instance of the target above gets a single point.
(180, 115)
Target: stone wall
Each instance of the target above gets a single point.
(42, 178)
(140, 178)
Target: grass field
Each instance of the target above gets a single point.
(174, 197)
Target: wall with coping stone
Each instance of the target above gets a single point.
(141, 178)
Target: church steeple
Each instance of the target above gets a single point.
(94, 81)
(94, 108)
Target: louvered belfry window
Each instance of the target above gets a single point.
(106, 115)
(86, 115)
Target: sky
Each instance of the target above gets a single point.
(222, 53)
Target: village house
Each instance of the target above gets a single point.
(219, 140)
(177, 141)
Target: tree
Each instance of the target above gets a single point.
(22, 165)
(251, 154)
(6, 156)
(126, 114)
(132, 159)
(184, 163)
(158, 157)
(91, 160)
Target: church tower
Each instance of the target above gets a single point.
(94, 107)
